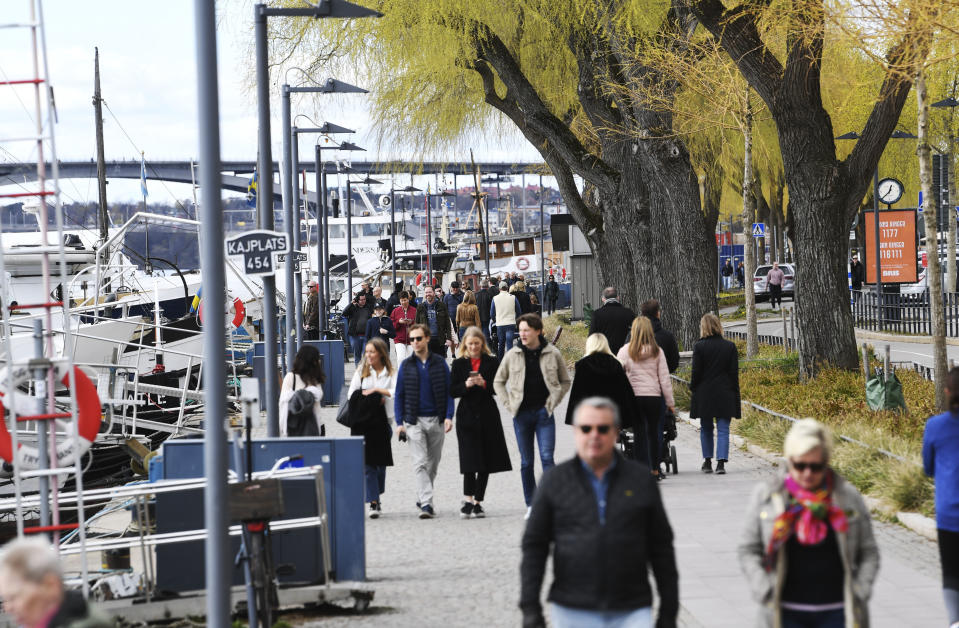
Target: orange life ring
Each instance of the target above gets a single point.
(88, 416)
(239, 312)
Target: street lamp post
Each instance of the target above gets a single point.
(896, 135)
(261, 12)
(950, 103)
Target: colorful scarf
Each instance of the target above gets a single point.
(806, 515)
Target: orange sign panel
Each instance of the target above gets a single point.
(897, 246)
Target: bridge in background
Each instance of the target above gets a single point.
(236, 174)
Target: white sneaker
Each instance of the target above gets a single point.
(529, 509)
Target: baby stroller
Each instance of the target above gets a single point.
(667, 453)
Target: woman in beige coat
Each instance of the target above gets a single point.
(808, 550)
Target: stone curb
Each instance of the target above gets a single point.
(920, 524)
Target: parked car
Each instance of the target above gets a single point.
(789, 281)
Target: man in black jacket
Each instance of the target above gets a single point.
(357, 315)
(433, 313)
(664, 338)
(552, 294)
(483, 301)
(603, 517)
(612, 320)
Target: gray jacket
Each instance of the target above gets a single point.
(860, 554)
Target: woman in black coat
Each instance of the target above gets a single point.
(600, 374)
(479, 430)
(715, 390)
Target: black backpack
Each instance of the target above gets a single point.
(299, 419)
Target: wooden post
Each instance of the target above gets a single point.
(865, 360)
(885, 364)
(785, 329)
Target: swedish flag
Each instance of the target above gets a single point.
(251, 191)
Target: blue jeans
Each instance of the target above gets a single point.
(527, 425)
(565, 617)
(358, 345)
(375, 482)
(813, 619)
(504, 339)
(722, 439)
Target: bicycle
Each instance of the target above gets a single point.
(254, 503)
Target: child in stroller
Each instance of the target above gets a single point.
(667, 453)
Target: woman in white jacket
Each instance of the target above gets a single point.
(648, 374)
(307, 373)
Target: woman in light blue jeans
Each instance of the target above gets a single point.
(714, 384)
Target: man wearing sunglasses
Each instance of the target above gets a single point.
(424, 412)
(603, 516)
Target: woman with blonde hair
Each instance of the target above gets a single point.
(648, 374)
(599, 374)
(467, 314)
(808, 550)
(714, 384)
(479, 429)
(371, 408)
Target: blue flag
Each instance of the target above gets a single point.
(143, 176)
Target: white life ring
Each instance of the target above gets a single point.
(238, 310)
(88, 415)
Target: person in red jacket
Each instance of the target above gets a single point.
(403, 316)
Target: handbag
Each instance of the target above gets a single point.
(343, 415)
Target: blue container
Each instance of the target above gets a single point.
(342, 461)
(331, 352)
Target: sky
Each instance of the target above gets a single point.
(148, 82)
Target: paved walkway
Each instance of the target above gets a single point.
(449, 572)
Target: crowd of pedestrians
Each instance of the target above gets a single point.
(807, 549)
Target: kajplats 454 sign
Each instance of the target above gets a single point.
(897, 246)
(258, 250)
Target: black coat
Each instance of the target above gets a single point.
(373, 425)
(612, 320)
(715, 380)
(601, 567)
(479, 429)
(667, 342)
(601, 375)
(525, 305)
(443, 323)
(483, 302)
(858, 272)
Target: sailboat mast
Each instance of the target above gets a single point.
(102, 218)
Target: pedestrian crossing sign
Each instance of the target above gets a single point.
(759, 230)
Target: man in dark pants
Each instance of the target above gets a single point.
(357, 315)
(552, 294)
(483, 302)
(612, 320)
(857, 274)
(453, 299)
(604, 518)
(311, 312)
(433, 313)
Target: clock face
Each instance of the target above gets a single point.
(890, 191)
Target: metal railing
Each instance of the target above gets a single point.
(904, 313)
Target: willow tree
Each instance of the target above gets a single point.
(440, 69)
(824, 191)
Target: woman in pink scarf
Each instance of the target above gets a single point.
(808, 550)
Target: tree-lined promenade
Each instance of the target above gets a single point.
(649, 104)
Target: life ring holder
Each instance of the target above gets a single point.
(239, 312)
(88, 417)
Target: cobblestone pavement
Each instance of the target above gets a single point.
(452, 572)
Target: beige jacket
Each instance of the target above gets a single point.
(860, 554)
(511, 375)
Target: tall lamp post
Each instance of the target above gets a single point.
(261, 13)
(948, 201)
(294, 296)
(896, 135)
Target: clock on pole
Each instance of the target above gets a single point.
(890, 191)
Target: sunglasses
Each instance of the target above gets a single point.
(602, 429)
(815, 467)
(416, 338)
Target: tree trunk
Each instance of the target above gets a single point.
(934, 279)
(749, 200)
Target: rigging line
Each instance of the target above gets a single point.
(137, 148)
(16, 95)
